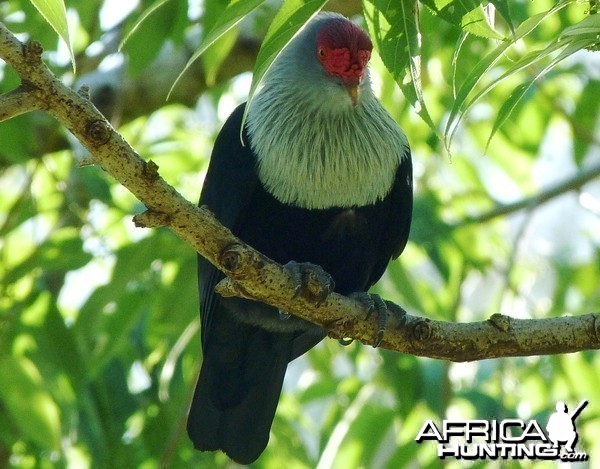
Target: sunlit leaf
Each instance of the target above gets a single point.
(502, 6)
(478, 21)
(17, 138)
(143, 17)
(149, 38)
(63, 251)
(469, 15)
(584, 117)
(394, 29)
(459, 44)
(232, 15)
(30, 407)
(292, 15)
(55, 14)
(588, 26)
(214, 55)
(480, 70)
(518, 94)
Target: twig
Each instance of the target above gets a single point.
(568, 184)
(15, 103)
(253, 275)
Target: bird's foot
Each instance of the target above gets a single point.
(376, 305)
(310, 280)
(283, 315)
(346, 341)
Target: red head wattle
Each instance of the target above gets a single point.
(343, 49)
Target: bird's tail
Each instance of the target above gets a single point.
(238, 389)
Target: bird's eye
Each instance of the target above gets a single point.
(321, 52)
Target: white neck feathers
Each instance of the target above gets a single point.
(314, 149)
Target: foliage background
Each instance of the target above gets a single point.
(99, 344)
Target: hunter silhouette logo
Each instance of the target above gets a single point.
(508, 438)
(561, 426)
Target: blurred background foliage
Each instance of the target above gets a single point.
(99, 343)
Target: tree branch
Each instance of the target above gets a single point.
(251, 274)
(568, 184)
(15, 103)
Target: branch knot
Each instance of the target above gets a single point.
(99, 132)
(32, 53)
(421, 330)
(231, 257)
(150, 171)
(151, 219)
(500, 322)
(84, 92)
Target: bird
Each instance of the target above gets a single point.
(321, 176)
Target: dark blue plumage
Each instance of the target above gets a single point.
(325, 215)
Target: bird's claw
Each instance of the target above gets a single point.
(376, 305)
(311, 280)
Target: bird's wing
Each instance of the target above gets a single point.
(402, 201)
(243, 365)
(229, 184)
(399, 215)
(228, 188)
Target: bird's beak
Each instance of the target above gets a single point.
(353, 92)
(352, 85)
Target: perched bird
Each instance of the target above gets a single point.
(324, 177)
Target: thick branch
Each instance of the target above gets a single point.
(253, 275)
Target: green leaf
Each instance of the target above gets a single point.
(461, 105)
(520, 91)
(31, 408)
(63, 251)
(502, 8)
(232, 15)
(459, 44)
(584, 117)
(214, 55)
(147, 43)
(17, 137)
(55, 13)
(144, 16)
(394, 30)
(587, 26)
(18, 210)
(290, 18)
(527, 61)
(469, 15)
(478, 22)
